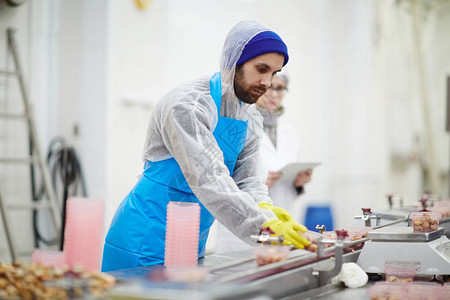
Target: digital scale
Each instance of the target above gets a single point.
(428, 253)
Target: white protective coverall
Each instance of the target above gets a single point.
(182, 126)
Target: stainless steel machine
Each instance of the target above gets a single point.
(427, 253)
(393, 243)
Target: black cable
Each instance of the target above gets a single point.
(36, 197)
(51, 152)
(66, 174)
(33, 189)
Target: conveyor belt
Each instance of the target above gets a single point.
(233, 276)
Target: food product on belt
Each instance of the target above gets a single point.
(382, 290)
(313, 247)
(267, 254)
(393, 278)
(312, 237)
(37, 281)
(354, 234)
(399, 274)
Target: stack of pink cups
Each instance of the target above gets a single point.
(182, 234)
(83, 237)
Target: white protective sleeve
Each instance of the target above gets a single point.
(182, 126)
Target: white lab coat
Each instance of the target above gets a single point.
(283, 193)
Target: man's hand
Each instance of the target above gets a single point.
(302, 178)
(289, 230)
(272, 178)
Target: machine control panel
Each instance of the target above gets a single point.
(444, 250)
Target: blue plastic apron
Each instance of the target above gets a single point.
(137, 233)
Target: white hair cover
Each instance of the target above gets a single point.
(182, 125)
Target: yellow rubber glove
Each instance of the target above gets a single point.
(281, 213)
(289, 230)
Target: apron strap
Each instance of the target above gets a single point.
(215, 84)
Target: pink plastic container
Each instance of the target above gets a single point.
(387, 290)
(399, 274)
(445, 291)
(268, 254)
(182, 234)
(312, 237)
(419, 290)
(425, 221)
(55, 259)
(83, 238)
(357, 233)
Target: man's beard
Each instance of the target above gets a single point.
(245, 94)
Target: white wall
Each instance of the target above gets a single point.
(345, 119)
(407, 104)
(108, 63)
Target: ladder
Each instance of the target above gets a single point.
(49, 202)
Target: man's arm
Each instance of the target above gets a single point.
(186, 131)
(249, 172)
